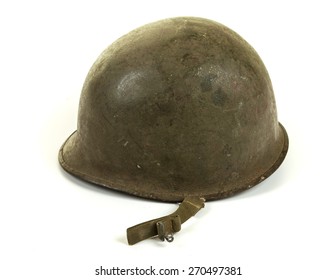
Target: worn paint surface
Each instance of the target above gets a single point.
(179, 107)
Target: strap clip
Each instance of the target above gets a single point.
(167, 227)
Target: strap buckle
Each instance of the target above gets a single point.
(167, 227)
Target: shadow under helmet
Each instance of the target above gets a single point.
(176, 108)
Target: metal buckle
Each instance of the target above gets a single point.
(167, 227)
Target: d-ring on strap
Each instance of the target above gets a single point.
(166, 226)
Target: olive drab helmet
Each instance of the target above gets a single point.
(179, 108)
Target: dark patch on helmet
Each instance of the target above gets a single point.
(218, 97)
(206, 84)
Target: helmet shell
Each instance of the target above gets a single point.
(180, 107)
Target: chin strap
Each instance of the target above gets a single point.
(166, 226)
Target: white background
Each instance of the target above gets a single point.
(56, 227)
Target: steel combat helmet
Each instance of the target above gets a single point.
(180, 108)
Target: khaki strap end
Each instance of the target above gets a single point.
(165, 226)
